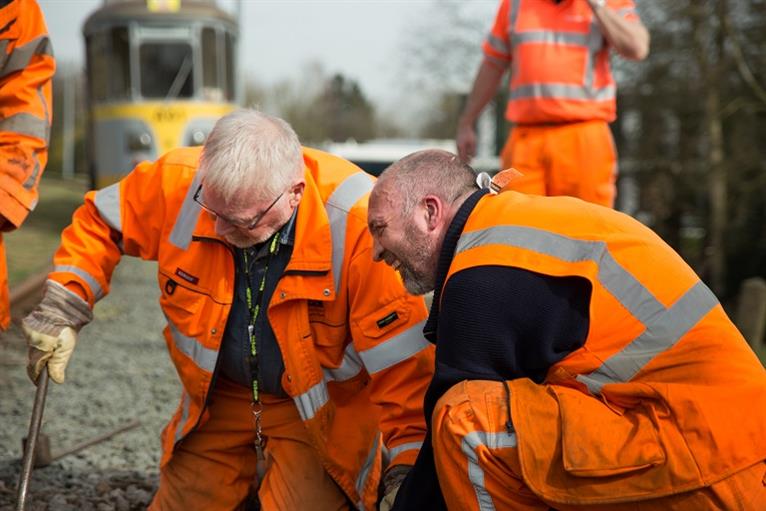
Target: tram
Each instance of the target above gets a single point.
(159, 74)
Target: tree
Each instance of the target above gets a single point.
(321, 107)
(439, 58)
(692, 124)
(344, 110)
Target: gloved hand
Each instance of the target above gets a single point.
(392, 480)
(51, 330)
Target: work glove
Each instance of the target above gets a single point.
(51, 330)
(392, 480)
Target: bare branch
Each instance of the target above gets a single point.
(739, 58)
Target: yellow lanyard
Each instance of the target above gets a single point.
(254, 307)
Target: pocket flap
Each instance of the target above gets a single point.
(599, 442)
(384, 320)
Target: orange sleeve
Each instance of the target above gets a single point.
(127, 218)
(387, 331)
(25, 106)
(497, 45)
(625, 8)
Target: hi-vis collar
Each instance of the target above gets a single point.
(499, 181)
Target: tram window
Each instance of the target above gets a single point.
(211, 86)
(98, 66)
(119, 66)
(166, 70)
(229, 66)
(109, 64)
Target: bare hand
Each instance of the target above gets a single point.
(466, 142)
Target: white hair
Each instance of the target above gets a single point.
(249, 153)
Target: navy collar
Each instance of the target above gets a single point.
(451, 238)
(286, 237)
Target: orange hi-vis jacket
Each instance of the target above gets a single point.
(665, 396)
(356, 362)
(559, 60)
(26, 70)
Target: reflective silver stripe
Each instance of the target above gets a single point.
(185, 404)
(26, 124)
(395, 349)
(204, 358)
(492, 441)
(595, 43)
(312, 400)
(186, 220)
(89, 279)
(664, 327)
(46, 111)
(396, 451)
(618, 281)
(349, 367)
(364, 473)
(497, 44)
(21, 55)
(551, 37)
(562, 90)
(661, 335)
(342, 199)
(513, 14)
(107, 202)
(32, 179)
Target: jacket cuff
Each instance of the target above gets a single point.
(15, 202)
(11, 209)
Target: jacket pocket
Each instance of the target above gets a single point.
(384, 320)
(599, 442)
(186, 308)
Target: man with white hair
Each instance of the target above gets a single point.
(303, 362)
(580, 363)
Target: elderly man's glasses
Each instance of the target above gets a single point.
(242, 224)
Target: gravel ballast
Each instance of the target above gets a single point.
(120, 371)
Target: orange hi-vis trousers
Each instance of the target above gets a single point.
(478, 464)
(214, 467)
(575, 159)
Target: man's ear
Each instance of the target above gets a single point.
(296, 192)
(433, 211)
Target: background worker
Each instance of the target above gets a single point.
(25, 119)
(581, 364)
(562, 93)
(295, 350)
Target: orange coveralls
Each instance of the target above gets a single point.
(664, 404)
(356, 362)
(26, 71)
(561, 97)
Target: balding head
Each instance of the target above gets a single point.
(411, 206)
(428, 172)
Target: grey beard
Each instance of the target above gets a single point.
(415, 284)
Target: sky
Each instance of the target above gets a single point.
(360, 38)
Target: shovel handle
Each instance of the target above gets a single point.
(34, 429)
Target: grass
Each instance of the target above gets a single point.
(30, 249)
